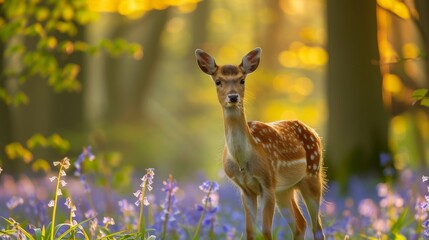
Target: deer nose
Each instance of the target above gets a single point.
(233, 97)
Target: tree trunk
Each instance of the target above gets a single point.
(127, 105)
(357, 126)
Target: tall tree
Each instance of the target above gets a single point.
(125, 100)
(357, 126)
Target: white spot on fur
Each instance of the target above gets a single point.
(290, 163)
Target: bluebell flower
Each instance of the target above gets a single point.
(147, 181)
(14, 202)
(426, 232)
(425, 223)
(209, 206)
(170, 209)
(385, 159)
(86, 154)
(208, 186)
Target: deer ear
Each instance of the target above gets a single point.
(251, 61)
(205, 62)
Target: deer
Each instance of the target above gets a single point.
(271, 163)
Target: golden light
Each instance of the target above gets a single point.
(288, 59)
(292, 7)
(303, 86)
(283, 83)
(396, 6)
(399, 125)
(228, 53)
(187, 7)
(220, 16)
(175, 25)
(103, 5)
(311, 34)
(410, 50)
(392, 83)
(387, 52)
(137, 8)
(300, 55)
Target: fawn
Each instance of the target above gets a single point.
(273, 161)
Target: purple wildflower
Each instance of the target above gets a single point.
(385, 159)
(368, 208)
(128, 211)
(108, 221)
(426, 232)
(93, 223)
(425, 223)
(169, 206)
(209, 208)
(170, 202)
(86, 154)
(14, 202)
(421, 209)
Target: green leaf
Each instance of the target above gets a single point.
(27, 234)
(425, 102)
(16, 150)
(419, 94)
(38, 234)
(20, 98)
(399, 236)
(56, 141)
(400, 223)
(41, 164)
(71, 228)
(37, 140)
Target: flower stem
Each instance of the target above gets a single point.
(164, 229)
(54, 211)
(142, 227)
(203, 213)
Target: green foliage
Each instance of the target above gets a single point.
(421, 96)
(40, 36)
(16, 150)
(399, 224)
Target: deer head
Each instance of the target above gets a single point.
(229, 79)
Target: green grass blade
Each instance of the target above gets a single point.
(27, 234)
(70, 228)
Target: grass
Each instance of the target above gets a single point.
(370, 210)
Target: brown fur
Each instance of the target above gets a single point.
(273, 161)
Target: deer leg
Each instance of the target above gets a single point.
(268, 207)
(311, 190)
(289, 209)
(250, 211)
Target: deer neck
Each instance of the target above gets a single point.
(237, 136)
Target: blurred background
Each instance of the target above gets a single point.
(121, 76)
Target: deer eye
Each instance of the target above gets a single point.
(242, 81)
(217, 82)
